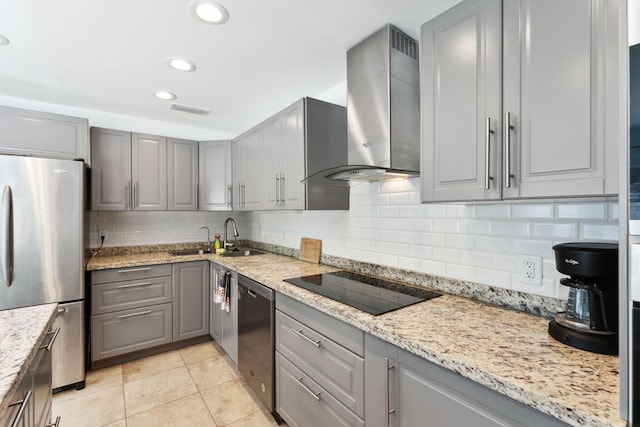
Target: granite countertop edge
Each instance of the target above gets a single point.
(19, 344)
(254, 268)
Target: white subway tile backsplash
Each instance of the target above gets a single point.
(540, 211)
(582, 211)
(555, 231)
(599, 231)
(388, 225)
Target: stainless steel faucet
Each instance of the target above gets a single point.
(235, 231)
(208, 237)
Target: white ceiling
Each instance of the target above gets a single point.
(110, 55)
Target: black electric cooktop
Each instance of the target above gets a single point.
(372, 295)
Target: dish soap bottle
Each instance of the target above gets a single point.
(217, 243)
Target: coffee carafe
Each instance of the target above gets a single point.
(590, 321)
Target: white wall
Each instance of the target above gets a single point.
(481, 243)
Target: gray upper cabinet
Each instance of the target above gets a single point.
(215, 183)
(111, 170)
(182, 175)
(190, 299)
(149, 172)
(38, 134)
(272, 160)
(515, 100)
(131, 172)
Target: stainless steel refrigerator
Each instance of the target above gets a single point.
(42, 251)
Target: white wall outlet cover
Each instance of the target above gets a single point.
(530, 269)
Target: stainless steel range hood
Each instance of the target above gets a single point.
(383, 109)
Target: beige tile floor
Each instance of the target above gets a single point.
(193, 386)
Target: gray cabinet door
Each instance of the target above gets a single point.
(403, 389)
(215, 314)
(39, 134)
(123, 332)
(149, 172)
(182, 175)
(111, 170)
(254, 181)
(291, 154)
(229, 322)
(238, 157)
(190, 299)
(460, 92)
(557, 63)
(272, 134)
(215, 184)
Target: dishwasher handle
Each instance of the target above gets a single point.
(255, 289)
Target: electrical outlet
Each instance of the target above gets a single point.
(102, 234)
(530, 269)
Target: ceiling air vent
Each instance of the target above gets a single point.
(189, 109)
(404, 44)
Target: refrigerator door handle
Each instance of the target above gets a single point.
(6, 248)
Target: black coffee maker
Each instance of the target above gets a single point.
(591, 319)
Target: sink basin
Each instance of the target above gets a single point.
(240, 252)
(186, 252)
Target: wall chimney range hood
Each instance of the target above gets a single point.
(383, 109)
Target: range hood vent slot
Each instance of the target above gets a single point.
(189, 109)
(404, 44)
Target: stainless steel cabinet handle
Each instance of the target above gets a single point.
(127, 197)
(316, 396)
(282, 189)
(134, 285)
(277, 189)
(6, 248)
(56, 423)
(197, 196)
(301, 335)
(23, 405)
(387, 410)
(507, 149)
(53, 338)
(230, 195)
(133, 270)
(487, 153)
(141, 313)
(135, 195)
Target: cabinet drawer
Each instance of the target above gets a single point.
(303, 402)
(110, 297)
(127, 331)
(335, 368)
(340, 332)
(130, 273)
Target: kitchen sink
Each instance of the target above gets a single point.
(238, 252)
(186, 252)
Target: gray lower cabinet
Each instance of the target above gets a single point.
(30, 405)
(406, 390)
(190, 299)
(319, 367)
(131, 310)
(34, 133)
(223, 325)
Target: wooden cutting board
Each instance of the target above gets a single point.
(310, 249)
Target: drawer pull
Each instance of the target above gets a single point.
(23, 405)
(133, 270)
(53, 338)
(142, 313)
(134, 285)
(301, 335)
(316, 396)
(56, 423)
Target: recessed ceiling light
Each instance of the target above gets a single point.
(163, 94)
(181, 64)
(209, 12)
(3, 40)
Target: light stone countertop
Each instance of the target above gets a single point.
(21, 331)
(505, 350)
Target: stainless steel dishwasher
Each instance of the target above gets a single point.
(256, 338)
